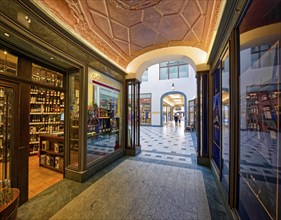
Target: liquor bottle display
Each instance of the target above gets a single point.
(51, 152)
(46, 110)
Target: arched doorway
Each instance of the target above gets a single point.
(182, 110)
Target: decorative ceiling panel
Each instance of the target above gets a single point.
(125, 29)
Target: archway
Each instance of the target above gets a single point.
(173, 93)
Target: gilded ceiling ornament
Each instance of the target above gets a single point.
(133, 5)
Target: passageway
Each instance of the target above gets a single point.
(162, 182)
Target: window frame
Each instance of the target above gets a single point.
(170, 64)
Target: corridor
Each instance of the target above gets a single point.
(162, 182)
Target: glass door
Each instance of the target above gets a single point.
(133, 133)
(6, 131)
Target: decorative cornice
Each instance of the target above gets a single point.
(140, 5)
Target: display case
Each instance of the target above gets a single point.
(52, 152)
(6, 148)
(46, 114)
(6, 131)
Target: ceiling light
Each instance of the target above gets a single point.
(28, 19)
(52, 58)
(5, 52)
(6, 34)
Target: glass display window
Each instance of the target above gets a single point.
(217, 117)
(8, 63)
(145, 109)
(259, 170)
(46, 76)
(74, 113)
(104, 116)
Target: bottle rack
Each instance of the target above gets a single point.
(46, 108)
(52, 152)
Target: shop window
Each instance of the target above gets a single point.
(144, 77)
(259, 178)
(104, 117)
(216, 154)
(225, 119)
(74, 136)
(46, 76)
(8, 63)
(173, 70)
(145, 109)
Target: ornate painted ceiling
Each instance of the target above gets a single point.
(125, 29)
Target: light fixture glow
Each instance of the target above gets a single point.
(6, 34)
(5, 52)
(52, 58)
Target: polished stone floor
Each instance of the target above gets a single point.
(162, 182)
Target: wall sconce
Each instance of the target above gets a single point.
(173, 86)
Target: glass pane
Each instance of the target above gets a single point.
(46, 76)
(6, 131)
(259, 178)
(173, 63)
(183, 71)
(75, 145)
(103, 130)
(217, 118)
(144, 77)
(8, 63)
(145, 109)
(225, 121)
(163, 64)
(173, 72)
(164, 73)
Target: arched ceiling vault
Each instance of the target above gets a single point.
(124, 30)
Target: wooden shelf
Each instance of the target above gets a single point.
(51, 168)
(51, 152)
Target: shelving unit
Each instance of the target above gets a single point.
(52, 152)
(262, 110)
(46, 109)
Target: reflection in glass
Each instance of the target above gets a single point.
(217, 118)
(145, 109)
(6, 131)
(74, 89)
(260, 111)
(8, 63)
(46, 76)
(103, 129)
(225, 120)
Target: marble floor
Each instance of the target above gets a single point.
(162, 182)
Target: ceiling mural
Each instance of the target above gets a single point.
(125, 29)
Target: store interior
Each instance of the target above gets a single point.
(46, 125)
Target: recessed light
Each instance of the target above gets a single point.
(6, 34)
(52, 58)
(5, 52)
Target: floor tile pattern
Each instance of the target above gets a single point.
(162, 182)
(153, 191)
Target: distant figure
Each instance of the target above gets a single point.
(176, 119)
(179, 118)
